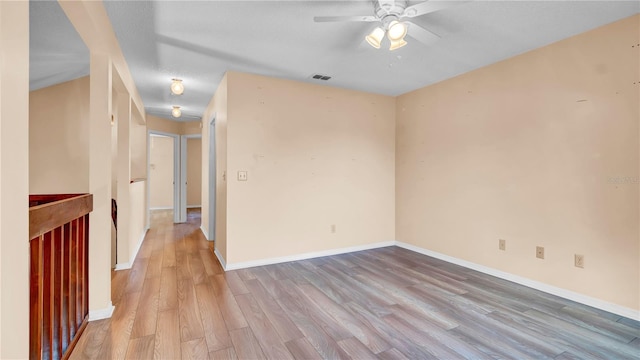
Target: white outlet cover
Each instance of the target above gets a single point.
(242, 176)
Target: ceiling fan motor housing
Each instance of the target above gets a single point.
(391, 9)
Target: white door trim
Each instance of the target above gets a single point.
(176, 174)
(212, 178)
(183, 174)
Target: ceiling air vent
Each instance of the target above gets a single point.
(321, 77)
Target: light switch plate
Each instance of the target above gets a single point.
(242, 176)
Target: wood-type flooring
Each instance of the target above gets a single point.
(176, 302)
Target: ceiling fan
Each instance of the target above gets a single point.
(392, 15)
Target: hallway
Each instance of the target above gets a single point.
(157, 300)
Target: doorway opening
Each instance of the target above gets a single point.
(175, 174)
(163, 192)
(191, 173)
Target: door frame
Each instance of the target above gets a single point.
(212, 178)
(176, 174)
(183, 174)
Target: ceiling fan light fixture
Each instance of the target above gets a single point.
(176, 112)
(375, 37)
(397, 31)
(177, 87)
(397, 44)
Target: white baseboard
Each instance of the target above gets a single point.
(123, 266)
(563, 293)
(205, 232)
(304, 256)
(221, 259)
(161, 208)
(101, 313)
(193, 206)
(128, 265)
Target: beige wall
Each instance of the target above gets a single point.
(59, 138)
(114, 144)
(217, 108)
(194, 171)
(161, 172)
(137, 219)
(173, 126)
(100, 221)
(90, 19)
(316, 156)
(534, 150)
(190, 128)
(138, 135)
(163, 125)
(14, 179)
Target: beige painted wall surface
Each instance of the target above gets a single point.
(173, 126)
(137, 221)
(14, 179)
(114, 145)
(163, 125)
(59, 138)
(91, 21)
(540, 150)
(190, 128)
(194, 172)
(138, 136)
(161, 172)
(217, 108)
(316, 156)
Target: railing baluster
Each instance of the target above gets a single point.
(59, 280)
(57, 292)
(64, 318)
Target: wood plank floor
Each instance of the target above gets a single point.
(177, 303)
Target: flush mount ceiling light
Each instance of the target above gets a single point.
(177, 87)
(176, 112)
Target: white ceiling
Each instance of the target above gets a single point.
(198, 41)
(57, 53)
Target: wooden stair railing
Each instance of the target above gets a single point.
(59, 269)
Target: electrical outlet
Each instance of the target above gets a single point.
(242, 176)
(502, 244)
(578, 260)
(333, 228)
(540, 252)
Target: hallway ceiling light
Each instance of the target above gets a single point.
(177, 87)
(176, 112)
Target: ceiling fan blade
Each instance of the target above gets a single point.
(421, 34)
(344, 18)
(429, 7)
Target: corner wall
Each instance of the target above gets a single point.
(320, 163)
(59, 138)
(14, 179)
(217, 108)
(539, 150)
